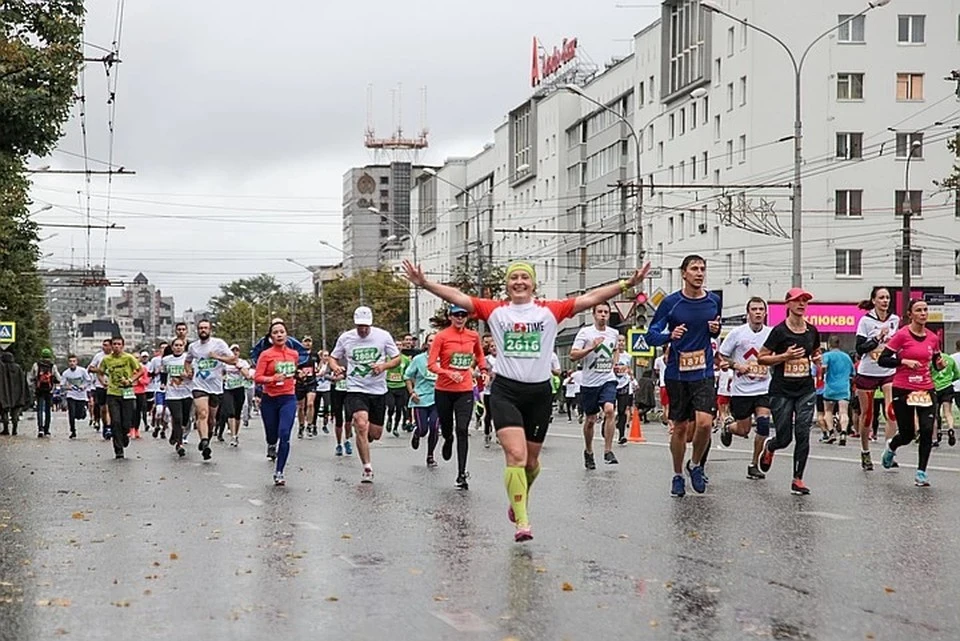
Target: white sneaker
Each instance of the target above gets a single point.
(278, 478)
(367, 476)
(234, 441)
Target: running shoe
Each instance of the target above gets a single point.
(951, 438)
(697, 479)
(921, 480)
(610, 459)
(163, 434)
(125, 439)
(180, 451)
(396, 432)
(107, 435)
(754, 473)
(347, 447)
(887, 459)
(204, 448)
(462, 481)
(367, 476)
(798, 488)
(706, 479)
(588, 461)
(300, 432)
(726, 436)
(523, 534)
(843, 440)
(156, 432)
(431, 462)
(339, 450)
(219, 437)
(278, 479)
(622, 440)
(118, 454)
(326, 430)
(486, 440)
(866, 462)
(447, 451)
(73, 433)
(415, 442)
(766, 458)
(186, 438)
(679, 486)
(40, 434)
(234, 441)
(272, 452)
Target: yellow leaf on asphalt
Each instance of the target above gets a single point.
(541, 570)
(888, 589)
(439, 597)
(566, 587)
(333, 599)
(77, 515)
(174, 556)
(121, 604)
(345, 536)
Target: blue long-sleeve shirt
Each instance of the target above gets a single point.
(691, 357)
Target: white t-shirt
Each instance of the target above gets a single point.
(725, 383)
(598, 364)
(741, 346)
(361, 354)
(208, 371)
(956, 359)
(491, 359)
(625, 361)
(525, 336)
(323, 382)
(76, 382)
(571, 387)
(174, 367)
(870, 327)
(153, 367)
(554, 362)
(233, 377)
(660, 369)
(95, 362)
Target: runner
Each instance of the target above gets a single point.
(490, 355)
(912, 351)
(660, 370)
(235, 378)
(155, 391)
(100, 410)
(454, 354)
(207, 357)
(306, 390)
(14, 393)
(724, 392)
(321, 407)
(956, 386)
(397, 396)
(791, 349)
(369, 352)
(595, 348)
(277, 369)
(687, 320)
(75, 382)
(525, 332)
(571, 394)
(121, 369)
(623, 368)
(140, 384)
(421, 386)
(837, 373)
(338, 395)
(44, 377)
(873, 331)
(943, 381)
(749, 392)
(179, 392)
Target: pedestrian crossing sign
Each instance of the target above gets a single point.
(8, 332)
(637, 343)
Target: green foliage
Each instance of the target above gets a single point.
(40, 54)
(493, 281)
(953, 180)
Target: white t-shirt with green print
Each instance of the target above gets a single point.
(361, 354)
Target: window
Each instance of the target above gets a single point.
(743, 90)
(742, 149)
(716, 179)
(693, 115)
(659, 154)
(905, 142)
(683, 121)
(850, 145)
(384, 180)
(743, 37)
(916, 262)
(730, 96)
(706, 169)
(652, 94)
(384, 207)
(384, 193)
(682, 173)
(728, 262)
(956, 262)
(682, 227)
(670, 230)
(910, 29)
(729, 153)
(849, 202)
(956, 203)
(716, 128)
(521, 140)
(849, 262)
(914, 202)
(673, 125)
(849, 86)
(731, 38)
(850, 30)
(909, 86)
(693, 167)
(717, 77)
(650, 137)
(641, 96)
(687, 47)
(706, 109)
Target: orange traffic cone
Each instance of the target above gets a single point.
(636, 429)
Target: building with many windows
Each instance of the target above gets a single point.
(69, 292)
(143, 301)
(710, 170)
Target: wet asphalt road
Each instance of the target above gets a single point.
(157, 548)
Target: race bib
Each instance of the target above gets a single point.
(521, 344)
(797, 368)
(364, 357)
(207, 364)
(394, 377)
(175, 371)
(919, 399)
(287, 368)
(430, 376)
(693, 361)
(128, 393)
(233, 382)
(461, 360)
(340, 386)
(756, 370)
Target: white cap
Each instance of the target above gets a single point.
(363, 315)
(145, 353)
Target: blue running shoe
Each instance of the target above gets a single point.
(921, 480)
(339, 450)
(887, 459)
(679, 486)
(697, 480)
(107, 435)
(347, 448)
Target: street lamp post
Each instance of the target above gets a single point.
(797, 190)
(413, 246)
(318, 274)
(906, 260)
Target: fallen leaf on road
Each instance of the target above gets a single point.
(439, 597)
(566, 587)
(871, 635)
(148, 592)
(60, 632)
(156, 564)
(654, 623)
(174, 556)
(77, 515)
(888, 589)
(58, 602)
(121, 604)
(541, 570)
(624, 536)
(333, 599)
(345, 536)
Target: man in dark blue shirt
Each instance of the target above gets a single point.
(688, 320)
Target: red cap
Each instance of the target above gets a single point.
(798, 293)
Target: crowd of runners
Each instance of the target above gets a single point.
(777, 382)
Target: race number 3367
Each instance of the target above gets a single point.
(522, 344)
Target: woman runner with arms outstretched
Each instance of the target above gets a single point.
(524, 330)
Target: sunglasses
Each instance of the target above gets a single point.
(459, 314)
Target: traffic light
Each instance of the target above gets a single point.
(642, 299)
(640, 319)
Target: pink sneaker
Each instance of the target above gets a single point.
(523, 534)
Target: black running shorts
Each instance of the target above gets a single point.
(526, 405)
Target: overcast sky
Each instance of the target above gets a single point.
(240, 121)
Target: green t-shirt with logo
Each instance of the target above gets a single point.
(121, 371)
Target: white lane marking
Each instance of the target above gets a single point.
(255, 502)
(816, 457)
(463, 621)
(306, 525)
(828, 515)
(233, 486)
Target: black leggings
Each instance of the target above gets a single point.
(623, 407)
(141, 412)
(454, 410)
(336, 406)
(74, 409)
(908, 418)
(180, 409)
(397, 410)
(487, 416)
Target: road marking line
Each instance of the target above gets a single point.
(233, 486)
(255, 502)
(828, 515)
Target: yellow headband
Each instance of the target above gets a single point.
(521, 266)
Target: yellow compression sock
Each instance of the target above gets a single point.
(515, 480)
(532, 476)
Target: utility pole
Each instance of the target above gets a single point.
(906, 251)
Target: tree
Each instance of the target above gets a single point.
(493, 281)
(40, 55)
(952, 182)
